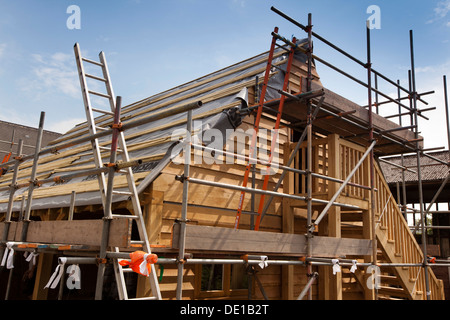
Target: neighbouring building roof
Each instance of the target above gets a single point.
(11, 133)
(431, 170)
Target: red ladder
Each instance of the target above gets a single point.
(5, 159)
(275, 37)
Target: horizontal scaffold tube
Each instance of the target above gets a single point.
(282, 167)
(267, 192)
(255, 260)
(125, 126)
(81, 173)
(361, 63)
(123, 255)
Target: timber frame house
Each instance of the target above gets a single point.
(329, 218)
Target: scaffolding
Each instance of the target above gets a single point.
(183, 258)
(412, 110)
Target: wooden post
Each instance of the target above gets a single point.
(333, 283)
(43, 274)
(334, 170)
(369, 294)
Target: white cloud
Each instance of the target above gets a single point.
(440, 11)
(52, 84)
(32, 120)
(430, 78)
(442, 8)
(65, 125)
(52, 75)
(433, 68)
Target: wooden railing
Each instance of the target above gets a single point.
(349, 156)
(392, 230)
(319, 165)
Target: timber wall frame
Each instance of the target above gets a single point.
(410, 146)
(307, 136)
(411, 110)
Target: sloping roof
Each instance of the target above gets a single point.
(431, 170)
(222, 93)
(219, 92)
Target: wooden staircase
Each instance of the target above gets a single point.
(396, 243)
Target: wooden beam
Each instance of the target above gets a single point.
(153, 210)
(205, 238)
(43, 272)
(334, 213)
(76, 232)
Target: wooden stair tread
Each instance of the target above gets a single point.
(392, 291)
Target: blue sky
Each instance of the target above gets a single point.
(152, 46)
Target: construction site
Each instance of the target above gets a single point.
(254, 182)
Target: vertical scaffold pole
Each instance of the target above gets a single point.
(12, 190)
(371, 157)
(419, 173)
(7, 222)
(107, 215)
(309, 149)
(446, 111)
(184, 206)
(402, 160)
(33, 184)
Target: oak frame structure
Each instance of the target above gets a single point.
(335, 210)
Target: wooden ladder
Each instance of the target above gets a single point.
(119, 146)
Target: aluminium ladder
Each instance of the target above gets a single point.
(118, 145)
(252, 147)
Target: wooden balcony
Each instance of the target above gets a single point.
(335, 157)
